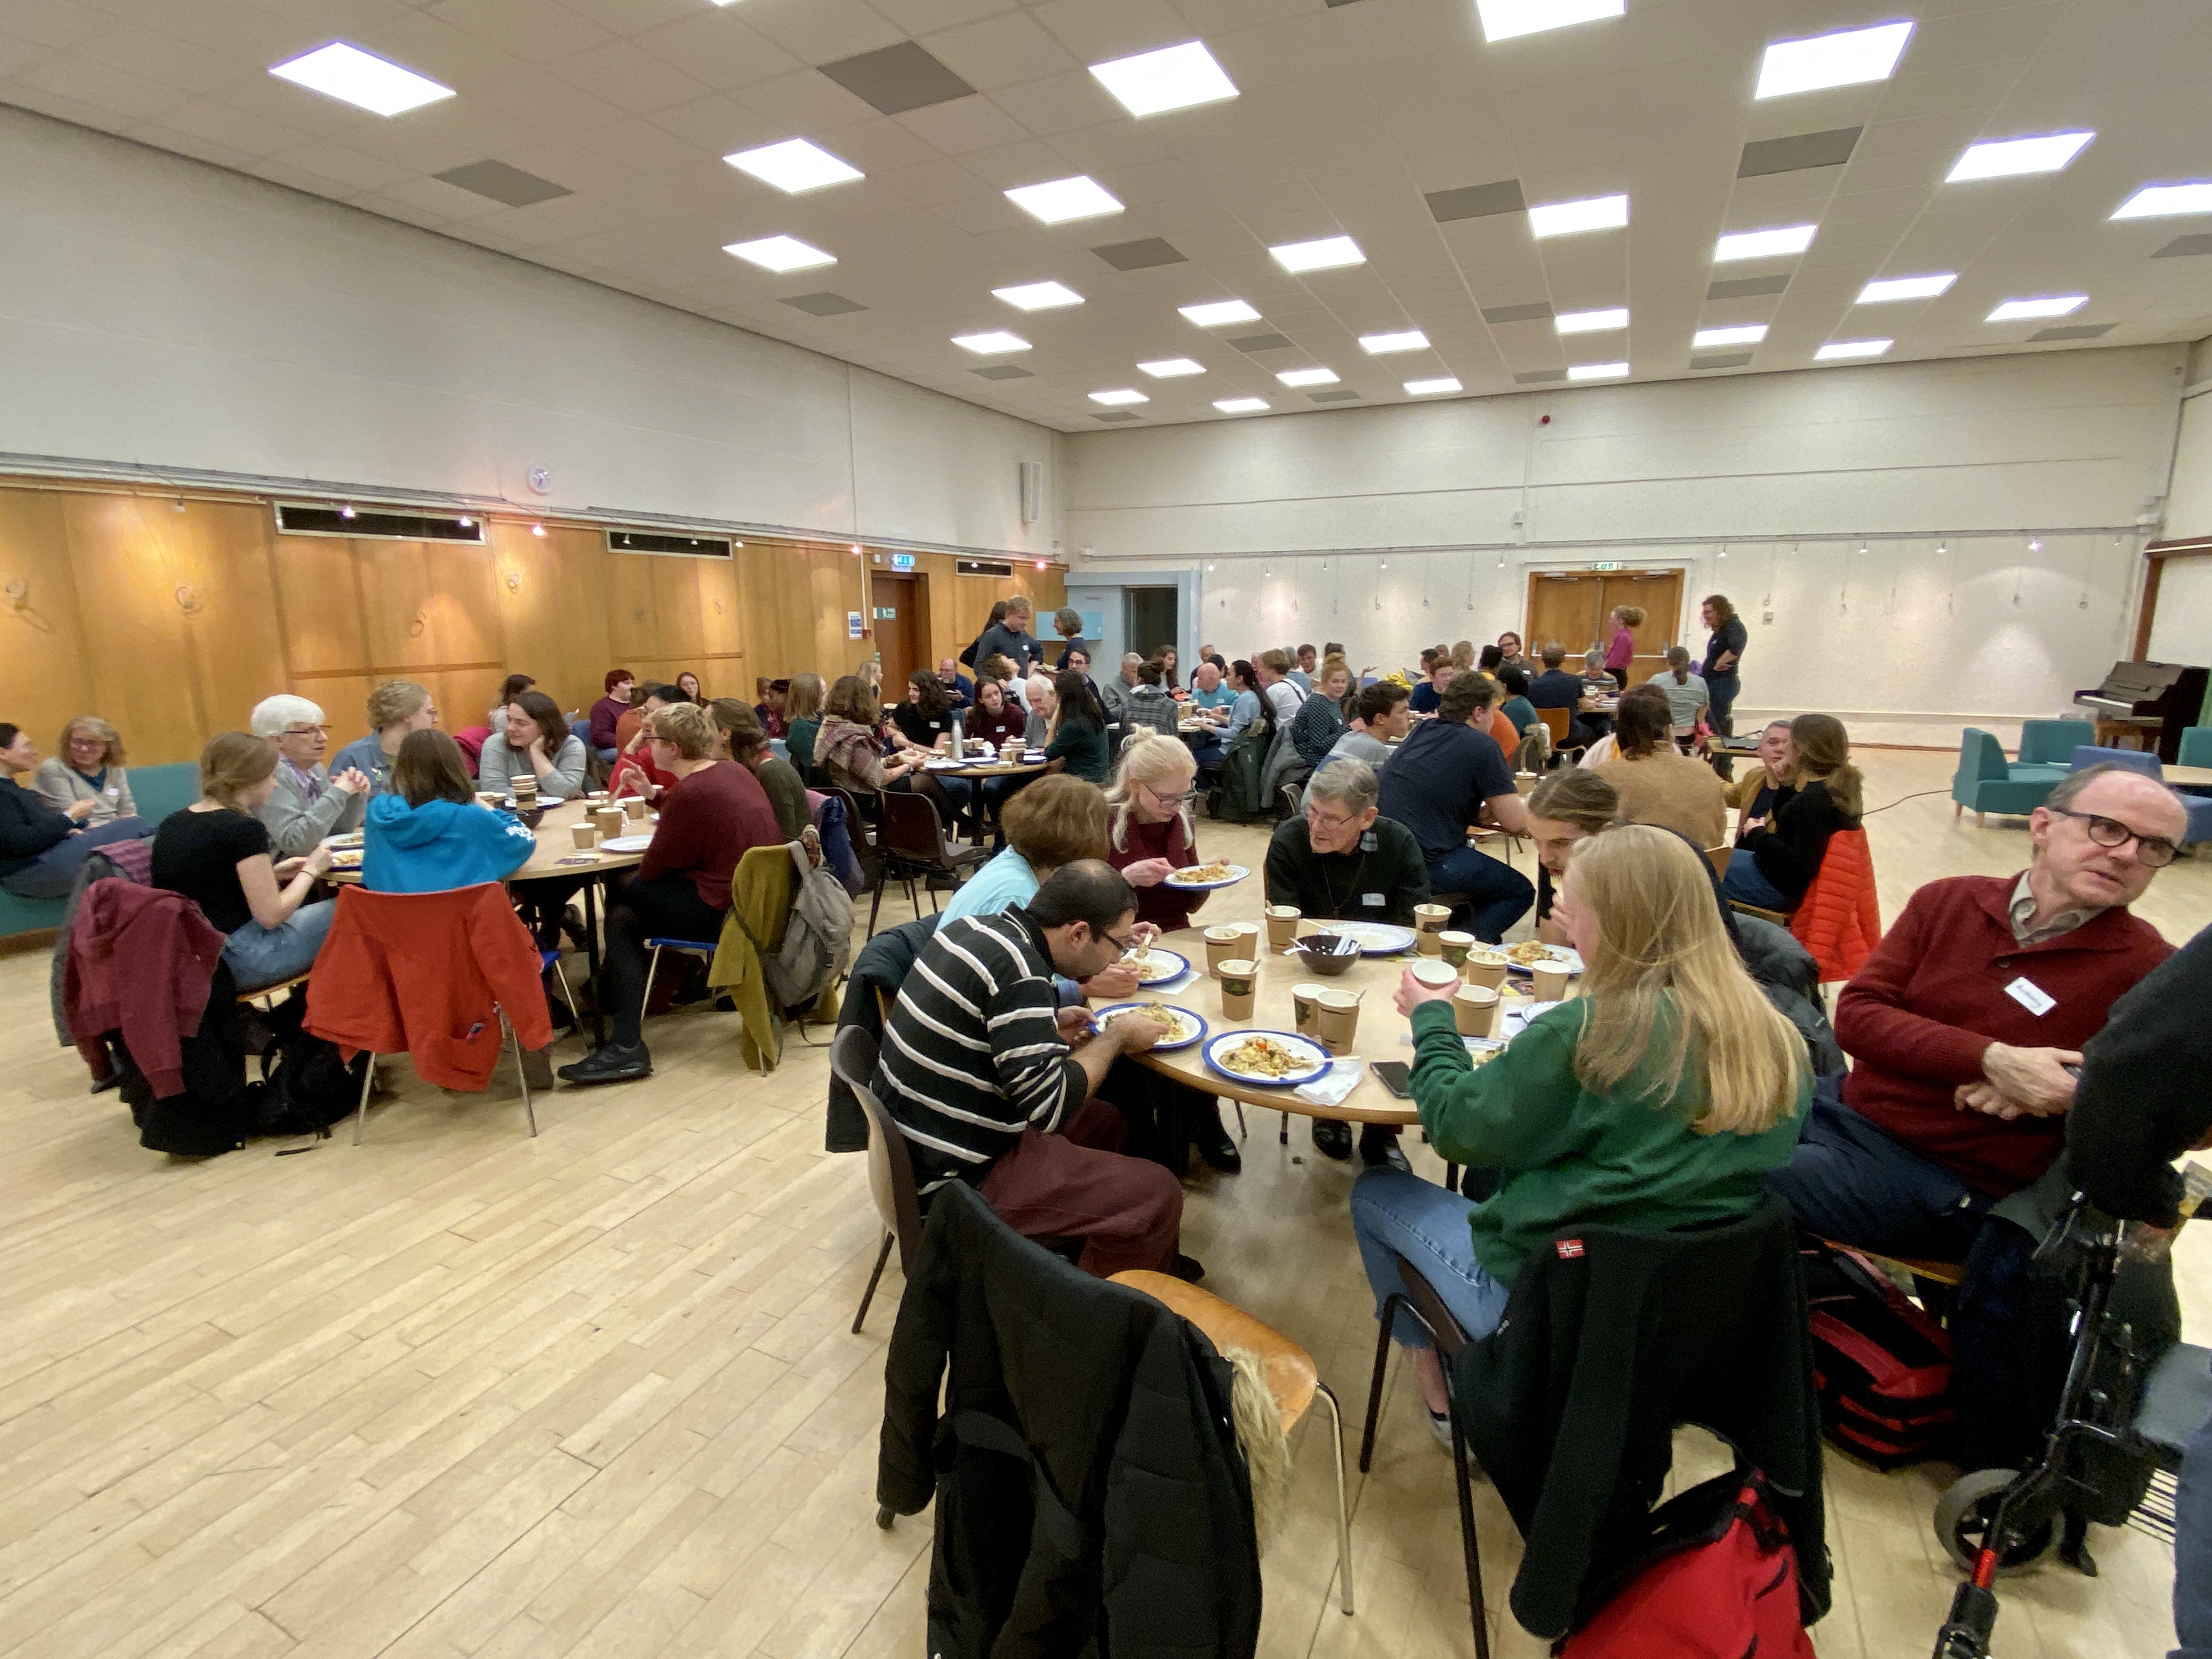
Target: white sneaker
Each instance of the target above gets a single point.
(1440, 1424)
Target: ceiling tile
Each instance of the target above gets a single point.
(825, 304)
(509, 186)
(897, 78)
(1797, 153)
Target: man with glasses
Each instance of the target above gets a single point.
(1965, 1027)
(308, 803)
(992, 1082)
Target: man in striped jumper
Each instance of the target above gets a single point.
(992, 1080)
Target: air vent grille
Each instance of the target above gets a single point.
(653, 541)
(364, 524)
(983, 568)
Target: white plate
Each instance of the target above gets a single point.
(1159, 966)
(944, 765)
(1565, 954)
(1377, 938)
(1188, 1027)
(626, 844)
(1035, 757)
(1314, 1058)
(1236, 873)
(351, 838)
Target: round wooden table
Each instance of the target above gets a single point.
(1381, 1035)
(985, 768)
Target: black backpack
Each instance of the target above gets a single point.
(305, 1086)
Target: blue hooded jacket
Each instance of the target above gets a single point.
(439, 844)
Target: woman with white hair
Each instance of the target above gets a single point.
(306, 803)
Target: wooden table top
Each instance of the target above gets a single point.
(986, 769)
(555, 841)
(2195, 774)
(1381, 1035)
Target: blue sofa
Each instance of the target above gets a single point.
(158, 791)
(1987, 782)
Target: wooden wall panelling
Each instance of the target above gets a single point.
(633, 610)
(554, 612)
(46, 669)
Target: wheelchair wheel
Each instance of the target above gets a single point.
(1963, 1515)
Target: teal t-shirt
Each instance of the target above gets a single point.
(1083, 746)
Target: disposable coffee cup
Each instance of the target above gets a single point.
(1239, 984)
(1248, 940)
(1305, 1009)
(1429, 921)
(633, 808)
(608, 820)
(1474, 1010)
(1337, 1015)
(585, 836)
(1222, 944)
(1548, 979)
(1282, 924)
(526, 791)
(1436, 976)
(1454, 946)
(1487, 971)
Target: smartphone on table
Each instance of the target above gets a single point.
(1397, 1077)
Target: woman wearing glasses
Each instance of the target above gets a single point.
(1152, 830)
(306, 803)
(1776, 857)
(1340, 860)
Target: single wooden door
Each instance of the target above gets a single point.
(897, 641)
(1568, 606)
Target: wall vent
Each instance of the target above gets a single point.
(683, 547)
(983, 568)
(382, 525)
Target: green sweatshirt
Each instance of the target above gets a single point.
(1569, 1156)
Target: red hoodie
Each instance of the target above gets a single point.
(140, 962)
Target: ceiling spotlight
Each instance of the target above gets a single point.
(1763, 244)
(464, 521)
(2009, 158)
(1239, 406)
(2035, 546)
(1744, 334)
(2165, 201)
(856, 550)
(346, 512)
(1429, 388)
(537, 530)
(1591, 322)
(793, 165)
(354, 76)
(1379, 346)
(1327, 253)
(1119, 396)
(1059, 200)
(1568, 218)
(1837, 350)
(1217, 312)
(1038, 296)
(1174, 78)
(1884, 290)
(780, 253)
(1505, 20)
(1843, 59)
(2055, 304)
(1040, 564)
(984, 345)
(1171, 368)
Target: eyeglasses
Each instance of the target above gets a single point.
(1165, 801)
(1124, 945)
(1319, 821)
(304, 730)
(2155, 851)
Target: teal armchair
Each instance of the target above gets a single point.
(1986, 782)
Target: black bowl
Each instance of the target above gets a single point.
(1327, 954)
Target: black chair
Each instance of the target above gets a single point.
(890, 1171)
(910, 842)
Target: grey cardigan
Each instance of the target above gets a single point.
(501, 762)
(64, 787)
(296, 825)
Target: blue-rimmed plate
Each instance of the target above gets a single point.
(1177, 880)
(1188, 1029)
(1158, 966)
(1304, 1060)
(1377, 938)
(1565, 955)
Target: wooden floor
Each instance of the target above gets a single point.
(457, 1392)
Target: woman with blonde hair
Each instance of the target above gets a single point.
(1320, 719)
(1776, 858)
(1657, 1099)
(41, 846)
(216, 854)
(87, 764)
(1151, 829)
(395, 708)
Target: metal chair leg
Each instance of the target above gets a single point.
(522, 1077)
(568, 994)
(869, 1295)
(1476, 1611)
(367, 1082)
(1283, 1134)
(652, 968)
(1240, 1118)
(878, 902)
(1391, 1304)
(1343, 1507)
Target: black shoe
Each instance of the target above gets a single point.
(1215, 1146)
(1332, 1138)
(1378, 1146)
(614, 1063)
(1187, 1268)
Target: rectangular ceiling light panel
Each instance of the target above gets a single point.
(984, 344)
(1837, 350)
(2007, 158)
(1378, 345)
(1308, 377)
(1171, 368)
(1038, 296)
(1745, 334)
(2165, 201)
(356, 78)
(1240, 405)
(1884, 290)
(1119, 396)
(780, 253)
(793, 165)
(1842, 59)
(1058, 200)
(2055, 304)
(1591, 322)
(1328, 253)
(1218, 313)
(1174, 78)
(1764, 244)
(1429, 388)
(1596, 370)
(1505, 20)
(1568, 218)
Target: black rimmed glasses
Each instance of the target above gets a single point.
(2155, 852)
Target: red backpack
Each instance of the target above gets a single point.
(1717, 1580)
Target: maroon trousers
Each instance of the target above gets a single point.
(1078, 1184)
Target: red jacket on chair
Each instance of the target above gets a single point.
(1839, 920)
(141, 960)
(426, 975)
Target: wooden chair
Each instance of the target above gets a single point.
(1718, 858)
(264, 994)
(1292, 1379)
(1558, 722)
(1947, 1273)
(890, 1171)
(1779, 918)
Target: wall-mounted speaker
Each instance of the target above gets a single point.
(1032, 491)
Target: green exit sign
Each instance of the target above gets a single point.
(1606, 564)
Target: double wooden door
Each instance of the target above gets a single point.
(1571, 607)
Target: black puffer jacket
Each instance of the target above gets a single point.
(1091, 1498)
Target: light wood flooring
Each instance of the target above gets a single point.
(457, 1392)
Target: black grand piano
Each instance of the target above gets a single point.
(2163, 691)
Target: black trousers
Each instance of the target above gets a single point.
(666, 907)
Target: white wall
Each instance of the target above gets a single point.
(2181, 630)
(1763, 488)
(158, 311)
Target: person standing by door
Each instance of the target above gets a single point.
(1724, 655)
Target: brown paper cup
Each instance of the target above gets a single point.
(1456, 945)
(1429, 921)
(1548, 981)
(1282, 924)
(633, 808)
(1488, 974)
(1222, 944)
(1240, 984)
(585, 836)
(1249, 936)
(1436, 975)
(1474, 1011)
(1305, 1009)
(608, 819)
(1338, 1020)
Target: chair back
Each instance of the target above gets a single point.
(910, 826)
(2048, 743)
(2144, 761)
(1557, 722)
(1718, 858)
(1980, 757)
(2196, 748)
(891, 1171)
(1449, 1337)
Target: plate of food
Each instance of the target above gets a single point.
(1269, 1058)
(1480, 1051)
(1156, 967)
(1205, 878)
(945, 764)
(346, 858)
(1377, 938)
(1522, 957)
(351, 838)
(1184, 1028)
(625, 843)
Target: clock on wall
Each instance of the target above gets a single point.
(540, 479)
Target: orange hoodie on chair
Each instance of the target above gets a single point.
(426, 975)
(1839, 919)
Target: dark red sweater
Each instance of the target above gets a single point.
(708, 821)
(1918, 1016)
(1166, 908)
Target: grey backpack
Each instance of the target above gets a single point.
(818, 941)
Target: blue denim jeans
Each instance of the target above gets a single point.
(2192, 1550)
(1497, 895)
(53, 873)
(262, 956)
(1744, 882)
(1396, 1213)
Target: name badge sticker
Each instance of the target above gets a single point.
(1373, 901)
(2031, 996)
